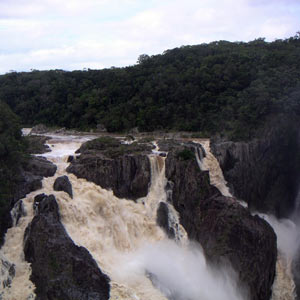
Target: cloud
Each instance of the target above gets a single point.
(72, 33)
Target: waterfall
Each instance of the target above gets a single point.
(287, 243)
(286, 230)
(211, 164)
(123, 238)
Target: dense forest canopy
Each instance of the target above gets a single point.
(224, 87)
(12, 154)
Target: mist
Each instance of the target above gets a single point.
(182, 273)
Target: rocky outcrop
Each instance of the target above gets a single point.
(28, 179)
(60, 269)
(7, 273)
(162, 219)
(123, 168)
(36, 144)
(30, 176)
(264, 172)
(225, 229)
(63, 183)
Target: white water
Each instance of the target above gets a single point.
(288, 241)
(123, 238)
(288, 235)
(26, 131)
(210, 163)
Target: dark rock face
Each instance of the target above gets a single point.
(60, 269)
(40, 166)
(28, 179)
(162, 220)
(112, 167)
(63, 183)
(264, 172)
(37, 144)
(17, 212)
(226, 230)
(7, 271)
(128, 176)
(296, 274)
(70, 158)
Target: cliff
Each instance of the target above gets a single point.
(264, 172)
(226, 230)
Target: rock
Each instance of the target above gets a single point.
(40, 166)
(7, 273)
(101, 128)
(40, 129)
(162, 219)
(264, 172)
(225, 229)
(17, 212)
(36, 144)
(61, 130)
(123, 168)
(60, 269)
(37, 199)
(70, 158)
(63, 183)
(28, 179)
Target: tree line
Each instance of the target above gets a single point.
(223, 87)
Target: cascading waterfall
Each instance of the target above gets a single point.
(286, 230)
(210, 163)
(287, 244)
(124, 239)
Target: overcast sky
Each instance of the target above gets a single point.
(77, 34)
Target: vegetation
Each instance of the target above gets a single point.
(186, 154)
(221, 87)
(12, 148)
(113, 148)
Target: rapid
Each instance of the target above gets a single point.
(124, 238)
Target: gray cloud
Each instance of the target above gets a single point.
(74, 34)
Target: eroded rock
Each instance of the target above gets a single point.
(226, 230)
(60, 269)
(63, 183)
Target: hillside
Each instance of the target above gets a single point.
(221, 87)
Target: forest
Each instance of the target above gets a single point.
(230, 88)
(12, 155)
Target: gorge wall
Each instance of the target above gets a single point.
(265, 171)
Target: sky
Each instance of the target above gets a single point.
(96, 34)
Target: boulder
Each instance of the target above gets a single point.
(37, 144)
(40, 166)
(226, 230)
(70, 158)
(40, 129)
(123, 168)
(17, 212)
(60, 269)
(63, 183)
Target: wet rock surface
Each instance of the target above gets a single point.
(225, 229)
(28, 179)
(7, 273)
(67, 271)
(63, 183)
(264, 172)
(162, 220)
(37, 144)
(123, 168)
